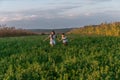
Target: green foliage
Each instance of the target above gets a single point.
(85, 58)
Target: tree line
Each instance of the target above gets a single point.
(6, 31)
(106, 29)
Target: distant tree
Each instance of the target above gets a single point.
(107, 29)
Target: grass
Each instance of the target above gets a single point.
(30, 58)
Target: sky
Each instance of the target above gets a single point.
(55, 14)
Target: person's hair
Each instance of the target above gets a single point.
(53, 32)
(63, 33)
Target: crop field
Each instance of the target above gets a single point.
(85, 58)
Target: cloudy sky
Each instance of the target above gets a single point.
(45, 14)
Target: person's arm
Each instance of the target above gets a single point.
(59, 38)
(47, 38)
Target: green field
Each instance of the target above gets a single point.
(85, 58)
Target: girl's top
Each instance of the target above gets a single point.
(64, 38)
(52, 39)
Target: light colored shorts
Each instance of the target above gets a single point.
(52, 42)
(65, 41)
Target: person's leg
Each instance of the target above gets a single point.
(65, 42)
(52, 43)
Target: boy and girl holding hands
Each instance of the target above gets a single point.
(52, 38)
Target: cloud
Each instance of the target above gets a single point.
(56, 18)
(64, 22)
(65, 14)
(65, 8)
(3, 19)
(17, 17)
(36, 13)
(98, 1)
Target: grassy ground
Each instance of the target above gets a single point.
(85, 58)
